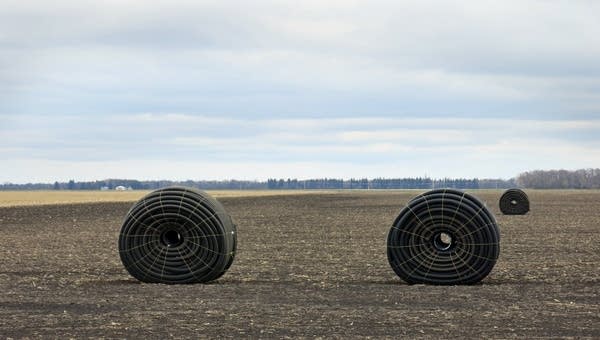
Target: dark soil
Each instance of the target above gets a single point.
(307, 265)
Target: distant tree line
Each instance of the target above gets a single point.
(537, 179)
(387, 183)
(273, 184)
(560, 179)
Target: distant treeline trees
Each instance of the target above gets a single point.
(560, 179)
(387, 183)
(274, 184)
(537, 179)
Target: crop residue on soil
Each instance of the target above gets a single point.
(307, 265)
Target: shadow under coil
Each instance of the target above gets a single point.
(443, 237)
(177, 235)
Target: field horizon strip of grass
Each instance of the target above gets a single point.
(12, 198)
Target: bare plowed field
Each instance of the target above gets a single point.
(307, 265)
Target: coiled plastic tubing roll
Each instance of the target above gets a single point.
(444, 237)
(177, 235)
(514, 202)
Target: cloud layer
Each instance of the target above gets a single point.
(245, 89)
(184, 146)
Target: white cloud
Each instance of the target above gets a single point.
(350, 88)
(350, 147)
(186, 53)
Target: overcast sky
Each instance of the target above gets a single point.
(256, 89)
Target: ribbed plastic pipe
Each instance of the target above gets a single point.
(177, 235)
(444, 237)
(514, 202)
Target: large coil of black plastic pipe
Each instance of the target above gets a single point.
(514, 202)
(444, 237)
(177, 235)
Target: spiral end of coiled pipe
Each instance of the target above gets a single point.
(177, 235)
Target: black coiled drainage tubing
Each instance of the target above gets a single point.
(514, 202)
(177, 235)
(444, 237)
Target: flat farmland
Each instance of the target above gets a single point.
(307, 265)
(26, 198)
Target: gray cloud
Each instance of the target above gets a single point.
(475, 147)
(241, 78)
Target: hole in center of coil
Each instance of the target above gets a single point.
(171, 238)
(442, 241)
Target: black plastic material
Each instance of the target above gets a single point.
(444, 237)
(514, 202)
(177, 235)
